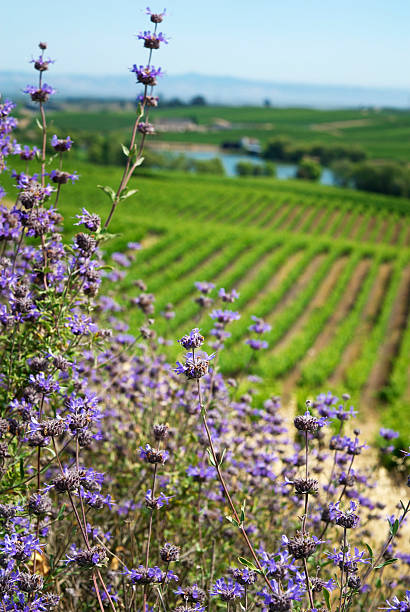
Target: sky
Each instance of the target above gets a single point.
(347, 42)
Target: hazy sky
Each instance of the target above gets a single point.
(358, 42)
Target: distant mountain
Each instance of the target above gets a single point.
(216, 89)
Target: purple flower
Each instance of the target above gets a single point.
(350, 562)
(91, 221)
(152, 40)
(44, 384)
(228, 297)
(204, 287)
(92, 557)
(193, 594)
(20, 547)
(28, 154)
(39, 94)
(225, 316)
(61, 144)
(201, 472)
(144, 127)
(342, 414)
(154, 503)
(147, 75)
(41, 64)
(61, 178)
(259, 327)
(244, 575)
(308, 422)
(149, 576)
(227, 590)
(396, 604)
(348, 519)
(257, 344)
(195, 366)
(281, 598)
(152, 455)
(192, 340)
(155, 17)
(388, 434)
(81, 325)
(134, 246)
(121, 259)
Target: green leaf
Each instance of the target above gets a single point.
(388, 562)
(370, 552)
(222, 457)
(394, 528)
(125, 150)
(61, 512)
(326, 595)
(108, 190)
(232, 520)
(249, 564)
(210, 457)
(139, 161)
(39, 124)
(127, 194)
(243, 511)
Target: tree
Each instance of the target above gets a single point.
(198, 101)
(309, 169)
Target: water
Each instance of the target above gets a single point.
(229, 160)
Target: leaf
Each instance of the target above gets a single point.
(108, 190)
(388, 562)
(127, 194)
(139, 161)
(61, 512)
(21, 469)
(210, 457)
(222, 457)
(248, 563)
(232, 520)
(243, 511)
(370, 552)
(326, 595)
(394, 528)
(39, 124)
(125, 150)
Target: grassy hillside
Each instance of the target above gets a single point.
(381, 133)
(328, 269)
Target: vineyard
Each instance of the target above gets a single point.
(381, 133)
(328, 270)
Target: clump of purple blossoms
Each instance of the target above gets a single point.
(256, 344)
(192, 340)
(309, 423)
(152, 40)
(39, 94)
(147, 75)
(347, 519)
(155, 17)
(227, 590)
(196, 365)
(399, 605)
(61, 144)
(230, 296)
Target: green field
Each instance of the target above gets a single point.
(382, 134)
(328, 269)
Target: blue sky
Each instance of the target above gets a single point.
(358, 42)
